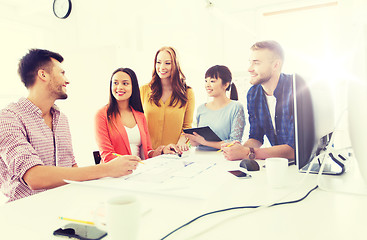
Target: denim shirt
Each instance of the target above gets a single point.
(259, 115)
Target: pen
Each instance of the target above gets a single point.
(76, 220)
(178, 154)
(230, 145)
(173, 149)
(188, 143)
(119, 155)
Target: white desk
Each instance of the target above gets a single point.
(323, 215)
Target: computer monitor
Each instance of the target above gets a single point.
(357, 98)
(355, 178)
(314, 126)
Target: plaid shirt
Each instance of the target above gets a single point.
(259, 115)
(26, 141)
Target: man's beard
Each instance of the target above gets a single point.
(261, 80)
(63, 96)
(59, 94)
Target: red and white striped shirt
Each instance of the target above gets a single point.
(27, 141)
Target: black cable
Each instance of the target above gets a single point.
(234, 208)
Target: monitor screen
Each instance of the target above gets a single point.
(355, 179)
(314, 125)
(357, 98)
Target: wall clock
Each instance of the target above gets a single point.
(62, 8)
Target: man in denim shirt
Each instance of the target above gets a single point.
(270, 107)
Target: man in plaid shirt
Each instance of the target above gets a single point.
(35, 141)
(270, 107)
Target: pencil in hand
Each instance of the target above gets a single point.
(230, 145)
(188, 143)
(119, 155)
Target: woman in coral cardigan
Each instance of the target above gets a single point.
(121, 126)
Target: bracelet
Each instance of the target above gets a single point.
(150, 152)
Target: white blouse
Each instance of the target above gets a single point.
(134, 139)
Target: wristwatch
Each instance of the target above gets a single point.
(251, 154)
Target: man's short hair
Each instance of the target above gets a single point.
(270, 45)
(34, 60)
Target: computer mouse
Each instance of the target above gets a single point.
(250, 165)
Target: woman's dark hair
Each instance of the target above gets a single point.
(179, 87)
(134, 101)
(34, 60)
(223, 72)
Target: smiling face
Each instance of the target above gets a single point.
(121, 86)
(58, 81)
(262, 66)
(215, 87)
(163, 65)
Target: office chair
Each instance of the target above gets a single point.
(97, 157)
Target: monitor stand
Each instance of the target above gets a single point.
(333, 166)
(350, 182)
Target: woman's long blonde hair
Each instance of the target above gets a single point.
(179, 87)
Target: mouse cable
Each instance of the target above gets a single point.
(253, 207)
(234, 208)
(275, 204)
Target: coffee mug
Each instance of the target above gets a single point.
(122, 217)
(276, 171)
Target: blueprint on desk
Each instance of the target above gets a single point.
(192, 176)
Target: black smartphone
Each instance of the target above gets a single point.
(80, 231)
(240, 174)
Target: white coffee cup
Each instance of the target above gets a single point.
(276, 171)
(122, 218)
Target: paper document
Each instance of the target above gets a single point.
(164, 175)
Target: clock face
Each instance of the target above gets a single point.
(62, 8)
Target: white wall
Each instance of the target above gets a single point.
(320, 44)
(97, 38)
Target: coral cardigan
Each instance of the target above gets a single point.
(112, 138)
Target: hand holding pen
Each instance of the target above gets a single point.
(121, 165)
(118, 155)
(225, 145)
(234, 151)
(182, 143)
(172, 149)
